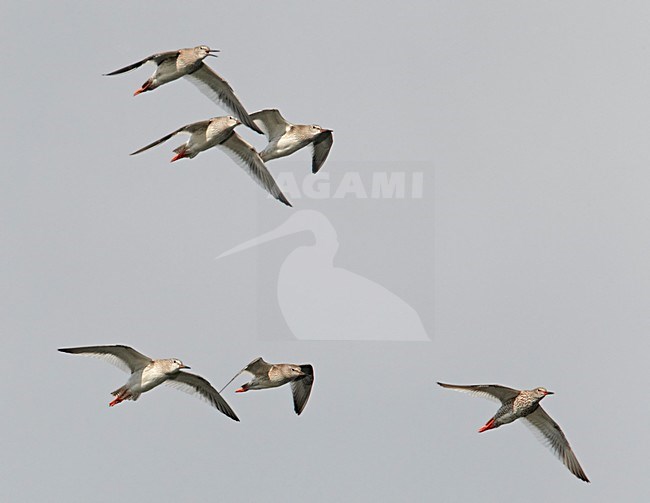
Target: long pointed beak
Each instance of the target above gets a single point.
(282, 230)
(185, 367)
(550, 393)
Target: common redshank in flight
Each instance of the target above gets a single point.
(524, 404)
(189, 63)
(146, 374)
(219, 132)
(285, 138)
(271, 375)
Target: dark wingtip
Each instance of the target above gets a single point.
(297, 409)
(232, 415)
(284, 200)
(308, 370)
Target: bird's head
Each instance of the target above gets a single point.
(222, 124)
(232, 121)
(175, 365)
(315, 130)
(292, 371)
(541, 392)
(203, 51)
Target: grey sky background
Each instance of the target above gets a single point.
(527, 258)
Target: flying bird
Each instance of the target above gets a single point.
(271, 375)
(219, 132)
(146, 374)
(524, 404)
(189, 63)
(285, 138)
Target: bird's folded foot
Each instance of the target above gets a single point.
(145, 87)
(116, 401)
(488, 426)
(178, 156)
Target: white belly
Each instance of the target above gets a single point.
(144, 380)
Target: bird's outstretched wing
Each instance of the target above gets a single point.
(155, 58)
(123, 357)
(194, 384)
(271, 122)
(301, 388)
(494, 392)
(243, 153)
(550, 433)
(322, 145)
(219, 91)
(258, 367)
(189, 129)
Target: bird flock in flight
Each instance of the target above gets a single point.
(147, 373)
(284, 138)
